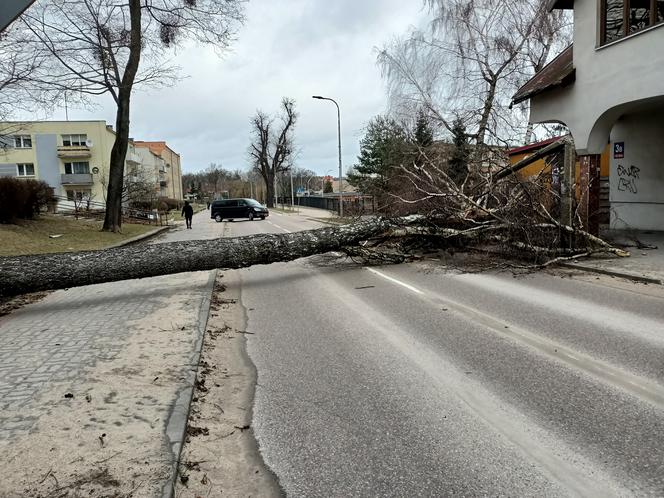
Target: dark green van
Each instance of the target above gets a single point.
(231, 209)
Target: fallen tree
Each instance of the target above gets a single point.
(366, 239)
(24, 274)
(491, 209)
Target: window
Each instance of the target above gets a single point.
(25, 169)
(22, 141)
(74, 140)
(621, 18)
(78, 195)
(77, 168)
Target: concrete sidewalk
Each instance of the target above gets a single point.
(309, 212)
(95, 385)
(645, 263)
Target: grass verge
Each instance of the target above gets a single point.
(33, 236)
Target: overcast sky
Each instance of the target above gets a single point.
(292, 48)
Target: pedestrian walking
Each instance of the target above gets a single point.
(208, 204)
(188, 213)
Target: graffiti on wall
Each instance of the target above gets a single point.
(627, 178)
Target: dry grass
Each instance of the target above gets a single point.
(32, 237)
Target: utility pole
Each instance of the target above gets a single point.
(292, 197)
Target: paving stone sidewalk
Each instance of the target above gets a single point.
(126, 352)
(645, 263)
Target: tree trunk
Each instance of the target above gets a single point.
(24, 274)
(269, 189)
(113, 216)
(486, 113)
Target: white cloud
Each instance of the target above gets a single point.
(293, 48)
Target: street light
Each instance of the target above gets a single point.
(341, 199)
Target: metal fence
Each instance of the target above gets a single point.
(353, 204)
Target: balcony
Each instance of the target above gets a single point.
(76, 179)
(74, 152)
(133, 158)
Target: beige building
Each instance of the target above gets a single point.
(154, 170)
(73, 157)
(172, 177)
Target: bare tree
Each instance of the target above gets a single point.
(470, 62)
(18, 90)
(215, 176)
(139, 188)
(99, 47)
(272, 150)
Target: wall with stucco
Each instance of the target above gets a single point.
(612, 80)
(637, 179)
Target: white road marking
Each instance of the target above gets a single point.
(641, 387)
(394, 280)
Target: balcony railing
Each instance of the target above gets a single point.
(73, 151)
(134, 158)
(76, 179)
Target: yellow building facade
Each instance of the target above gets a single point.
(540, 168)
(73, 157)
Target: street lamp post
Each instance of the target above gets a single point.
(341, 199)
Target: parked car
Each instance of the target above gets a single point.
(230, 209)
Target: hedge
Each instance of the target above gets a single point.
(23, 199)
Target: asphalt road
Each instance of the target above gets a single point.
(413, 380)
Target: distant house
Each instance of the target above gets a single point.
(608, 89)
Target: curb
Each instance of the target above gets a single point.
(176, 427)
(139, 238)
(614, 273)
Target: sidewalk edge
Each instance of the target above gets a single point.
(176, 427)
(143, 236)
(614, 273)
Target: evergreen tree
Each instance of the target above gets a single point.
(327, 187)
(423, 133)
(458, 164)
(383, 148)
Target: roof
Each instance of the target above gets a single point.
(559, 72)
(157, 146)
(532, 147)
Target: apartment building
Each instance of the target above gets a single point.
(73, 157)
(171, 179)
